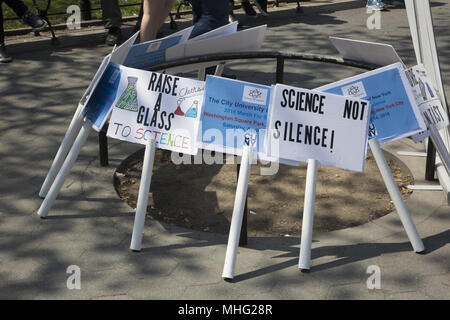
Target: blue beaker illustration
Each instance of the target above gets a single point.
(192, 111)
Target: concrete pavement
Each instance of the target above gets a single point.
(90, 227)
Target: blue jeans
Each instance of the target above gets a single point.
(208, 15)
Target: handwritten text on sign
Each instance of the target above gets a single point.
(159, 106)
(428, 101)
(315, 125)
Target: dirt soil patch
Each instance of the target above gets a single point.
(201, 196)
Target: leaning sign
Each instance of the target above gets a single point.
(427, 100)
(233, 112)
(394, 111)
(154, 105)
(310, 124)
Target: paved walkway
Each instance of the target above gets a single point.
(90, 227)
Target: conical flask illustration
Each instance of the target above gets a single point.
(128, 99)
(192, 112)
(178, 111)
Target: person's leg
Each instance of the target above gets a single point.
(214, 15)
(196, 10)
(4, 56)
(111, 14)
(155, 12)
(35, 22)
(2, 32)
(18, 7)
(248, 8)
(262, 7)
(85, 7)
(112, 18)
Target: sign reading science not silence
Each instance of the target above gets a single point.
(159, 106)
(307, 124)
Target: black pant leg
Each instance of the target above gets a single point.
(18, 6)
(2, 32)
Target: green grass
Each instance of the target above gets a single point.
(60, 7)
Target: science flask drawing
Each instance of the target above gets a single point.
(190, 113)
(128, 99)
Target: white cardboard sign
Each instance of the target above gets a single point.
(427, 100)
(160, 106)
(244, 40)
(364, 51)
(308, 124)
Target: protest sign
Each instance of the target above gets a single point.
(101, 100)
(117, 55)
(233, 111)
(422, 31)
(379, 54)
(427, 100)
(98, 96)
(146, 54)
(217, 42)
(154, 105)
(245, 40)
(218, 32)
(394, 111)
(315, 125)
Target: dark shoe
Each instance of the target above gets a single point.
(114, 36)
(35, 22)
(4, 56)
(262, 7)
(248, 8)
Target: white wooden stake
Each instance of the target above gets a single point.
(66, 144)
(67, 165)
(201, 74)
(219, 69)
(396, 197)
(238, 214)
(144, 188)
(308, 216)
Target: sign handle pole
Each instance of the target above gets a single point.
(238, 212)
(66, 144)
(440, 147)
(201, 74)
(67, 165)
(219, 69)
(308, 216)
(396, 197)
(144, 188)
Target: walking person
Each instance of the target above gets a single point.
(261, 5)
(208, 15)
(155, 13)
(21, 10)
(112, 18)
